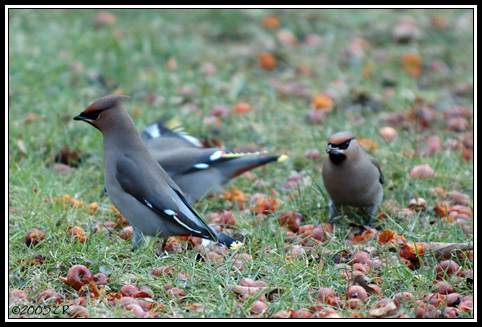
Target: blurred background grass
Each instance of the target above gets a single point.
(62, 60)
(186, 62)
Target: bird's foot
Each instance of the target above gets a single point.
(333, 210)
(373, 210)
(137, 239)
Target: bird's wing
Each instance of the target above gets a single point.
(375, 162)
(159, 196)
(170, 128)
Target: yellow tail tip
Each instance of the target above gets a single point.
(235, 245)
(282, 157)
(174, 124)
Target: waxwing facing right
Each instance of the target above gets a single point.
(197, 170)
(351, 176)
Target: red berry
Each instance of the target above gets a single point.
(34, 237)
(129, 290)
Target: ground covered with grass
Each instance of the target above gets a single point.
(276, 80)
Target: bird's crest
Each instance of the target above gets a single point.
(106, 102)
(341, 137)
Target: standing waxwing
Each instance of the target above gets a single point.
(198, 171)
(351, 176)
(137, 185)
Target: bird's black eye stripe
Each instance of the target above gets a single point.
(343, 145)
(92, 115)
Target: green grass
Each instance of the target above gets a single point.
(132, 57)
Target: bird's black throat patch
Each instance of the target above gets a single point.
(337, 157)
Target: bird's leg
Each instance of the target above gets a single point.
(164, 244)
(104, 192)
(373, 210)
(333, 209)
(137, 239)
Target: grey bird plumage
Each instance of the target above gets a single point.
(137, 185)
(351, 176)
(198, 171)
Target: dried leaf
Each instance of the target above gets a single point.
(321, 101)
(441, 209)
(242, 108)
(360, 233)
(266, 205)
(271, 21)
(411, 250)
(418, 204)
(266, 60)
(388, 236)
(412, 64)
(390, 309)
(447, 250)
(368, 144)
(235, 195)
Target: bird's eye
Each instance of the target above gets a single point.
(344, 145)
(92, 115)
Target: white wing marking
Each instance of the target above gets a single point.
(201, 166)
(153, 131)
(216, 155)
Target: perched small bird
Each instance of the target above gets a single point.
(198, 171)
(351, 176)
(137, 185)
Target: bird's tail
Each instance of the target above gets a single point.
(228, 241)
(240, 162)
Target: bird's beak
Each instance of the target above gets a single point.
(333, 149)
(78, 117)
(329, 148)
(87, 120)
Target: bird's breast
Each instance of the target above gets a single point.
(353, 186)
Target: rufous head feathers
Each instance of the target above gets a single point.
(92, 113)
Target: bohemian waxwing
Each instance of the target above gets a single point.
(351, 176)
(137, 185)
(198, 171)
